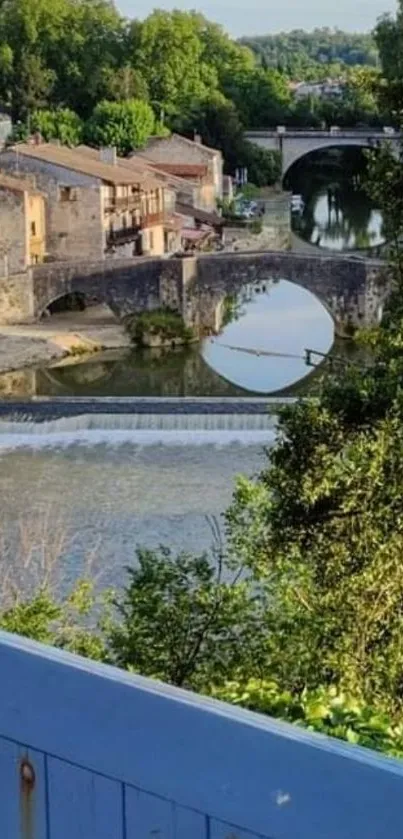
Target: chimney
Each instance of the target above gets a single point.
(108, 155)
(197, 138)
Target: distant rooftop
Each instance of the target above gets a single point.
(155, 141)
(84, 162)
(16, 184)
(183, 170)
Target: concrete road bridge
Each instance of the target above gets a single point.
(294, 144)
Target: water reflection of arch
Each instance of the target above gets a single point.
(50, 374)
(198, 379)
(154, 373)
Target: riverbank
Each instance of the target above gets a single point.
(68, 334)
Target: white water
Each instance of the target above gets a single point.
(140, 429)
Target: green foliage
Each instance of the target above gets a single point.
(82, 57)
(61, 124)
(314, 55)
(125, 125)
(324, 710)
(187, 620)
(389, 39)
(164, 324)
(61, 623)
(256, 226)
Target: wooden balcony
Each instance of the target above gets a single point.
(87, 750)
(128, 202)
(123, 236)
(152, 219)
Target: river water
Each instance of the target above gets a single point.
(259, 350)
(80, 494)
(338, 213)
(83, 492)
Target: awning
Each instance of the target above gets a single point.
(202, 216)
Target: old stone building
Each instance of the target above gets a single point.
(189, 160)
(22, 224)
(95, 208)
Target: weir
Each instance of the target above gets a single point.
(174, 412)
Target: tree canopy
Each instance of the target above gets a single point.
(314, 55)
(82, 56)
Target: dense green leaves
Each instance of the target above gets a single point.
(324, 710)
(125, 125)
(314, 55)
(187, 620)
(81, 55)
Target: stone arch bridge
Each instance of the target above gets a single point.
(294, 145)
(352, 290)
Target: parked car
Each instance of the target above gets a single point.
(297, 204)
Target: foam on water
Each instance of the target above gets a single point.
(140, 429)
(139, 438)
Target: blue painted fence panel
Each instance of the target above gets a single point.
(83, 804)
(22, 803)
(130, 758)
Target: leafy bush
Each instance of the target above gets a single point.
(256, 226)
(124, 125)
(165, 324)
(325, 710)
(188, 620)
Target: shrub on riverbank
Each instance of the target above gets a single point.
(160, 327)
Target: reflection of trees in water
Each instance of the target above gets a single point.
(333, 177)
(165, 373)
(141, 373)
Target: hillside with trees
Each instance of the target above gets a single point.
(76, 69)
(314, 55)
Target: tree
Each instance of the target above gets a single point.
(389, 39)
(168, 52)
(125, 125)
(61, 124)
(126, 83)
(217, 121)
(187, 620)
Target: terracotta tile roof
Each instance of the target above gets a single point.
(81, 161)
(207, 150)
(172, 180)
(183, 170)
(141, 170)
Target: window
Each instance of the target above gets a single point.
(67, 193)
(33, 228)
(151, 240)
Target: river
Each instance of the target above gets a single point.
(76, 499)
(83, 492)
(338, 213)
(259, 350)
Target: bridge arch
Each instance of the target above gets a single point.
(75, 301)
(293, 152)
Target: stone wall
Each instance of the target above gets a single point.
(126, 286)
(13, 233)
(74, 225)
(16, 298)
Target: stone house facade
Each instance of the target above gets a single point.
(190, 160)
(95, 208)
(22, 224)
